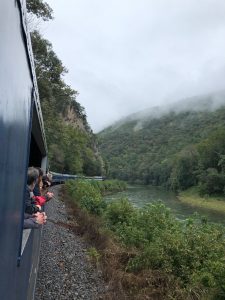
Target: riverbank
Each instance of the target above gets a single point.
(192, 197)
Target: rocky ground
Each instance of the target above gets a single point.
(64, 270)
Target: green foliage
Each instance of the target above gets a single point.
(211, 163)
(71, 149)
(94, 255)
(119, 212)
(92, 164)
(212, 149)
(190, 251)
(211, 182)
(87, 196)
(109, 186)
(40, 9)
(184, 171)
(71, 143)
(88, 193)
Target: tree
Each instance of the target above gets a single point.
(67, 143)
(185, 167)
(40, 9)
(211, 182)
(212, 149)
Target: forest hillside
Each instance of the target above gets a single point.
(71, 143)
(178, 147)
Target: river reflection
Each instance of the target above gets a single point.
(141, 195)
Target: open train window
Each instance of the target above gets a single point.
(37, 158)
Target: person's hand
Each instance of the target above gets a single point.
(50, 195)
(40, 218)
(44, 216)
(38, 206)
(48, 183)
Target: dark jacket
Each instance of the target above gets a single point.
(30, 207)
(36, 190)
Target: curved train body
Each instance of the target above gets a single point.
(58, 178)
(22, 144)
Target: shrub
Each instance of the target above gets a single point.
(87, 196)
(119, 212)
(192, 251)
(211, 182)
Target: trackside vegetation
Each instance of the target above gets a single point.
(90, 193)
(161, 257)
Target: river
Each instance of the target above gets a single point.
(140, 195)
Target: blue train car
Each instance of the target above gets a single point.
(58, 178)
(22, 143)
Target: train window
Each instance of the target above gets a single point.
(35, 154)
(35, 159)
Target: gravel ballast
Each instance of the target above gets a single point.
(64, 270)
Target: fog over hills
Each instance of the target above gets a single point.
(176, 146)
(207, 102)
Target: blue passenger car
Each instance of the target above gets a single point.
(58, 178)
(22, 143)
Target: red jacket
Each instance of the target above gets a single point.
(39, 200)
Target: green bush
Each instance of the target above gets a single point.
(211, 182)
(87, 196)
(191, 251)
(119, 212)
(89, 192)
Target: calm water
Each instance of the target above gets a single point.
(141, 195)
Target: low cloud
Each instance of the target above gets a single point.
(126, 56)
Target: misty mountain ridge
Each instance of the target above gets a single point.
(208, 102)
(157, 146)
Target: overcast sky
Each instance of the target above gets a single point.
(127, 55)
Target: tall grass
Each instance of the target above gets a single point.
(192, 197)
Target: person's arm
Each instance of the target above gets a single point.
(36, 190)
(34, 221)
(30, 222)
(31, 209)
(49, 196)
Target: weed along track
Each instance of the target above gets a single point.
(61, 224)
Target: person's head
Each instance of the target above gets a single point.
(49, 175)
(40, 174)
(45, 181)
(32, 177)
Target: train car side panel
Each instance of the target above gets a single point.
(16, 107)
